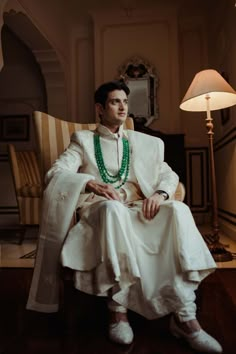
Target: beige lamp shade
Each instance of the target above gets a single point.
(208, 83)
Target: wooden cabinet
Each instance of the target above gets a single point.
(174, 149)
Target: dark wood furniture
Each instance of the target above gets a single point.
(174, 149)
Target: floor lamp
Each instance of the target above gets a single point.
(208, 92)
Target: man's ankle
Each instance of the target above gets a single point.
(116, 317)
(189, 326)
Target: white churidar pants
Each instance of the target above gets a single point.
(152, 267)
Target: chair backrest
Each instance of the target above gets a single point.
(53, 136)
(24, 167)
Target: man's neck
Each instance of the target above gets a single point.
(113, 128)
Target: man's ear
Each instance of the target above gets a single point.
(99, 109)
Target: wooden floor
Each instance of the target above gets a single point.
(81, 327)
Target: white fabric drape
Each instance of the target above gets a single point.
(62, 194)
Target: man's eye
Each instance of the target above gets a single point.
(115, 101)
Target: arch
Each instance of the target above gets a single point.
(45, 55)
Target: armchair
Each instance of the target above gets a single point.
(53, 136)
(28, 186)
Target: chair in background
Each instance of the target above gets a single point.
(28, 186)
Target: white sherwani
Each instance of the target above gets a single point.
(151, 267)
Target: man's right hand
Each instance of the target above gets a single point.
(105, 190)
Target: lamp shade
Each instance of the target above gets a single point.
(208, 83)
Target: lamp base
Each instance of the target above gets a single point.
(219, 253)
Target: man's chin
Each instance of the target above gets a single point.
(121, 120)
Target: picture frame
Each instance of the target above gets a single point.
(14, 127)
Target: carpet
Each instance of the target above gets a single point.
(29, 255)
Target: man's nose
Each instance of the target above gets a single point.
(122, 106)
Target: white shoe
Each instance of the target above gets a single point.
(198, 340)
(121, 332)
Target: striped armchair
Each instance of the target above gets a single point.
(27, 183)
(53, 136)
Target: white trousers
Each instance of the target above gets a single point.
(153, 267)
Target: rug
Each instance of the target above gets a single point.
(29, 255)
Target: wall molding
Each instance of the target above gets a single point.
(4, 157)
(227, 216)
(197, 179)
(225, 140)
(8, 210)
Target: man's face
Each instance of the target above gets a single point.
(116, 109)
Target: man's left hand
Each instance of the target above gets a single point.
(151, 205)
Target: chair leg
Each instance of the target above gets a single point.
(21, 233)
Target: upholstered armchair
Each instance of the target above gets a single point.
(29, 167)
(53, 137)
(28, 186)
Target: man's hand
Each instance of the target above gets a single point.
(151, 205)
(105, 190)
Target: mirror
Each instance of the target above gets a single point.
(142, 81)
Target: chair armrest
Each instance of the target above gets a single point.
(180, 192)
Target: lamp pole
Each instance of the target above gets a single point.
(217, 249)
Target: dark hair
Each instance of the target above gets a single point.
(102, 92)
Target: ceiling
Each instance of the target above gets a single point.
(77, 11)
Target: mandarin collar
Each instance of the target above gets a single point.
(104, 131)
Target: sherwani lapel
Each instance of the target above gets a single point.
(146, 157)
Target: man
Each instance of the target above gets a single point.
(133, 243)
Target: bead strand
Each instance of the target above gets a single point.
(123, 171)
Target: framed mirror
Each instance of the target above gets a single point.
(143, 82)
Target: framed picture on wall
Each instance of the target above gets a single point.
(14, 127)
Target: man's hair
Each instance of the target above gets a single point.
(102, 92)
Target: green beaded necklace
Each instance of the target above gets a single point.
(123, 173)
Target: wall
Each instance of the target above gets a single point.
(151, 34)
(22, 91)
(193, 57)
(222, 53)
(82, 73)
(22, 87)
(48, 42)
(49, 18)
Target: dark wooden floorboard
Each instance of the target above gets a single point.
(81, 327)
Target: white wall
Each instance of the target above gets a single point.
(151, 34)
